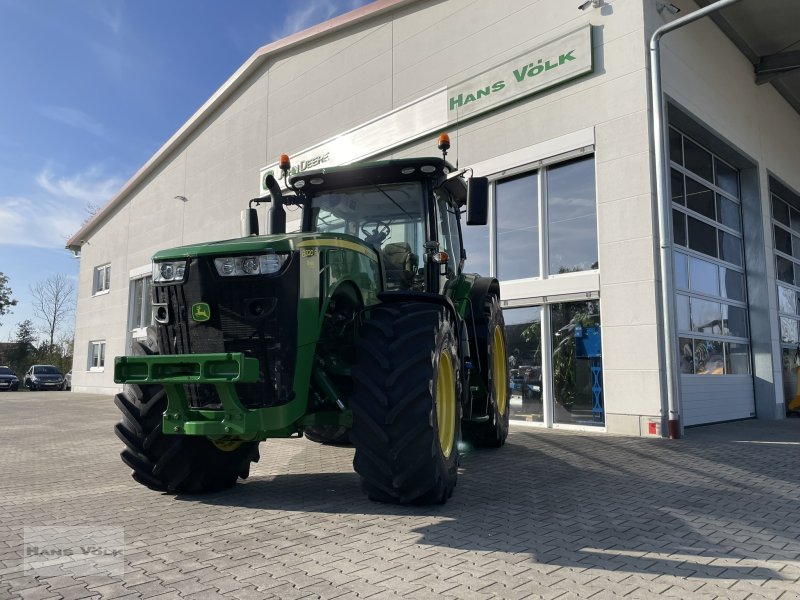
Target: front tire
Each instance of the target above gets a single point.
(177, 464)
(406, 404)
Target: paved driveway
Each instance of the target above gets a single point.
(552, 514)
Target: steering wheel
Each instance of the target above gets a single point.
(379, 232)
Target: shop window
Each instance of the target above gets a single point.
(97, 355)
(524, 347)
(518, 233)
(569, 234)
(571, 217)
(577, 363)
(102, 279)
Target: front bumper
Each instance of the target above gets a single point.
(223, 371)
(47, 385)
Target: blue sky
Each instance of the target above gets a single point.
(90, 89)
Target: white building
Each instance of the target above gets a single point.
(552, 102)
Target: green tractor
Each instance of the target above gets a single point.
(359, 328)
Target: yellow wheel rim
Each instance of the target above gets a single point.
(499, 370)
(446, 404)
(226, 445)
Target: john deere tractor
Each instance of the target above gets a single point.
(359, 328)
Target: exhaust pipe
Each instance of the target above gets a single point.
(277, 216)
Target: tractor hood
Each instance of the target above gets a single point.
(285, 242)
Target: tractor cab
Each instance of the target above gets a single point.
(407, 210)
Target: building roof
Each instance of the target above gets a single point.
(353, 17)
(766, 32)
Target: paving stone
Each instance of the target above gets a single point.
(553, 514)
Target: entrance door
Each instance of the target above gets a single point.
(556, 364)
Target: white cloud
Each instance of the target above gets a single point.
(90, 187)
(73, 118)
(49, 216)
(40, 223)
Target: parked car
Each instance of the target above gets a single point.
(43, 377)
(8, 380)
(67, 381)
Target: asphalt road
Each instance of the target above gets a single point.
(553, 514)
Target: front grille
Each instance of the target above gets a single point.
(256, 315)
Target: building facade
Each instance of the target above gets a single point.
(551, 102)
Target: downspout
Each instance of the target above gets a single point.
(664, 210)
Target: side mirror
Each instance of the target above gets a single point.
(249, 222)
(477, 200)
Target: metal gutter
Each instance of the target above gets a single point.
(227, 89)
(661, 156)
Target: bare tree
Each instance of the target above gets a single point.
(6, 301)
(53, 304)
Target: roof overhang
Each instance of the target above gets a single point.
(767, 32)
(255, 62)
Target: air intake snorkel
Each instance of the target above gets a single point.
(277, 215)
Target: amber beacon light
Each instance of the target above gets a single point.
(444, 143)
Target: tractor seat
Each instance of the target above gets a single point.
(400, 263)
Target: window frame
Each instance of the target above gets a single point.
(682, 207)
(96, 362)
(101, 287)
(539, 171)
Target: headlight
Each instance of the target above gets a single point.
(172, 271)
(264, 264)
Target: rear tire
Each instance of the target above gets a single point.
(177, 464)
(493, 433)
(406, 404)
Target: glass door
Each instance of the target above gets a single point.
(577, 363)
(524, 346)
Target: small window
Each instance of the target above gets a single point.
(102, 279)
(97, 356)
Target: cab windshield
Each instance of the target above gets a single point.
(388, 217)
(378, 214)
(6, 371)
(46, 370)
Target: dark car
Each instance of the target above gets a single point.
(43, 377)
(8, 380)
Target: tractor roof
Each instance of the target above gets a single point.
(385, 171)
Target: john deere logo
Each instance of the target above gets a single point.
(201, 312)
